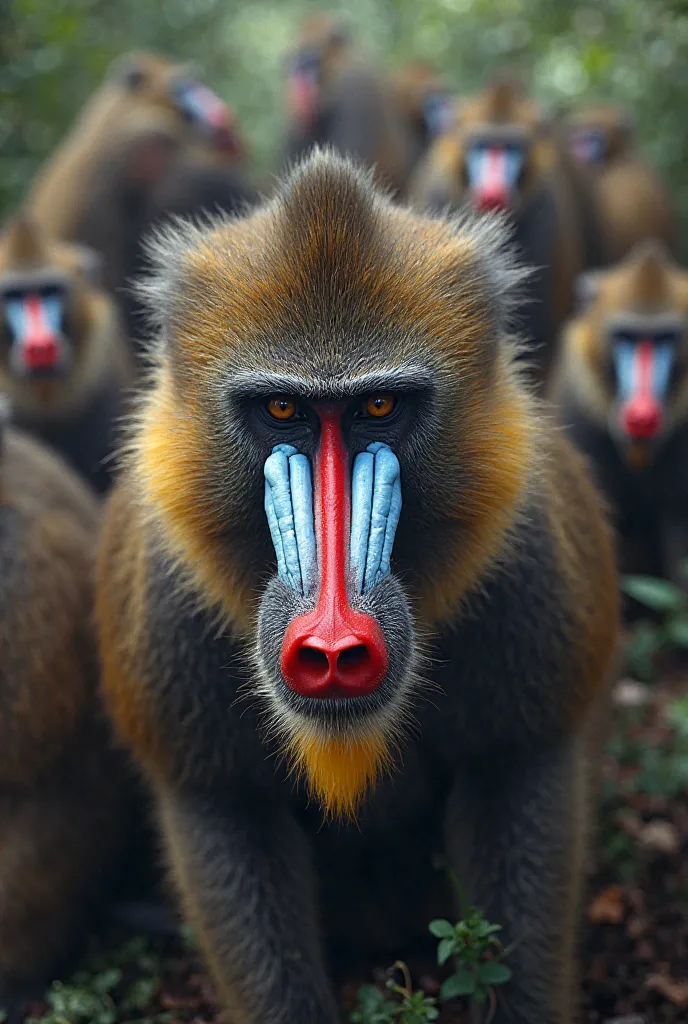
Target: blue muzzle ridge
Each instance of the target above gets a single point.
(375, 510)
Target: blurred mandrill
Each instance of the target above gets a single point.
(64, 361)
(505, 153)
(337, 97)
(633, 202)
(152, 133)
(64, 796)
(335, 394)
(622, 389)
(426, 103)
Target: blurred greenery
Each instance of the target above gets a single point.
(54, 52)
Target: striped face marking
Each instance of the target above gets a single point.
(438, 113)
(588, 146)
(493, 171)
(643, 370)
(205, 109)
(333, 531)
(35, 326)
(303, 87)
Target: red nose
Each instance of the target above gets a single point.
(227, 140)
(224, 131)
(641, 417)
(334, 653)
(302, 97)
(491, 199)
(334, 650)
(41, 352)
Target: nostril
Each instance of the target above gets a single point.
(333, 658)
(353, 659)
(313, 662)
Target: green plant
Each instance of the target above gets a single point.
(373, 1007)
(668, 632)
(477, 953)
(653, 769)
(114, 987)
(414, 1007)
(643, 768)
(478, 969)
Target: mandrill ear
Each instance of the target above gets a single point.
(90, 263)
(129, 72)
(587, 289)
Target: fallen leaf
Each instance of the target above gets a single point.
(607, 907)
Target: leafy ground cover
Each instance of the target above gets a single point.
(635, 943)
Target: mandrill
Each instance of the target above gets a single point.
(64, 359)
(622, 390)
(357, 601)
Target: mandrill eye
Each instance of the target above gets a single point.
(282, 408)
(379, 405)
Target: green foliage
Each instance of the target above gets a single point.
(53, 53)
(410, 1008)
(619, 848)
(648, 773)
(677, 716)
(666, 632)
(654, 769)
(477, 952)
(113, 988)
(659, 595)
(373, 1007)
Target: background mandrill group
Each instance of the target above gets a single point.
(336, 396)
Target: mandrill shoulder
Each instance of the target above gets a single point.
(171, 674)
(532, 649)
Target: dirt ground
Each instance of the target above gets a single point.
(635, 942)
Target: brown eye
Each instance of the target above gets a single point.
(282, 408)
(379, 405)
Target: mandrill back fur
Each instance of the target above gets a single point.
(63, 794)
(499, 617)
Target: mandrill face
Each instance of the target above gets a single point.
(325, 442)
(336, 649)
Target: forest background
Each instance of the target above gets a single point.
(54, 53)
